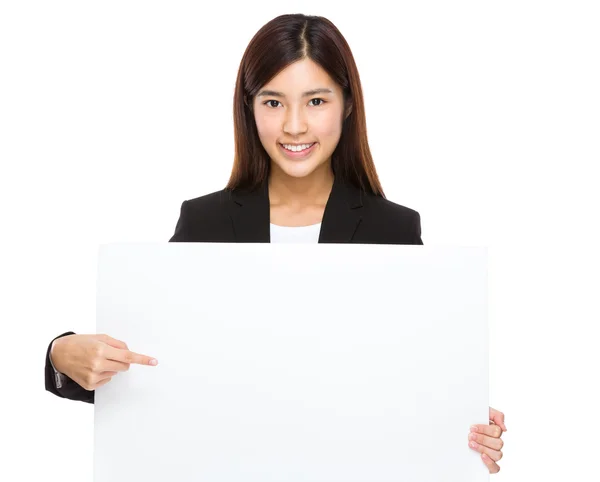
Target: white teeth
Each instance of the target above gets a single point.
(301, 147)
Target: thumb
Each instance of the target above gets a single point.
(497, 417)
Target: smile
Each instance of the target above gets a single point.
(300, 148)
(297, 152)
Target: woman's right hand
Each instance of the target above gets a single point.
(92, 360)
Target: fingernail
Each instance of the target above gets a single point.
(153, 362)
(473, 428)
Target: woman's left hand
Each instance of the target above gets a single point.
(486, 440)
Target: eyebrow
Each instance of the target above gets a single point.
(273, 93)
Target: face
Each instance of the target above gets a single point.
(301, 105)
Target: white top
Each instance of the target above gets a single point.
(295, 234)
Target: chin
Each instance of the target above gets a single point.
(297, 169)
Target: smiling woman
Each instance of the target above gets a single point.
(298, 85)
(302, 172)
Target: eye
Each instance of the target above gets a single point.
(268, 103)
(322, 102)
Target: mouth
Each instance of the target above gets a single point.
(299, 152)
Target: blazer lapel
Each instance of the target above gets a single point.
(251, 214)
(343, 214)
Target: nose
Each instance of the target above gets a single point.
(295, 122)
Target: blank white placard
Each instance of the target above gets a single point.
(285, 362)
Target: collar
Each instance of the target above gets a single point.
(250, 214)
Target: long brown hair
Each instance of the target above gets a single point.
(284, 40)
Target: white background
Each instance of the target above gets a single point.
(484, 118)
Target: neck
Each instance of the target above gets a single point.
(292, 191)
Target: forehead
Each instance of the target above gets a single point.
(300, 76)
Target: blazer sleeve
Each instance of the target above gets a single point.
(70, 388)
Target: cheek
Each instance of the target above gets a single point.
(266, 127)
(261, 130)
(329, 127)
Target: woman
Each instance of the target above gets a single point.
(303, 172)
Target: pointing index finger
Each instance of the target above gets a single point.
(127, 356)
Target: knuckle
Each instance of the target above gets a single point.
(95, 366)
(87, 384)
(98, 350)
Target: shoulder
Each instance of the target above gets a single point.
(207, 203)
(204, 218)
(392, 221)
(386, 210)
(386, 207)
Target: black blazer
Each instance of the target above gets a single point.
(351, 216)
